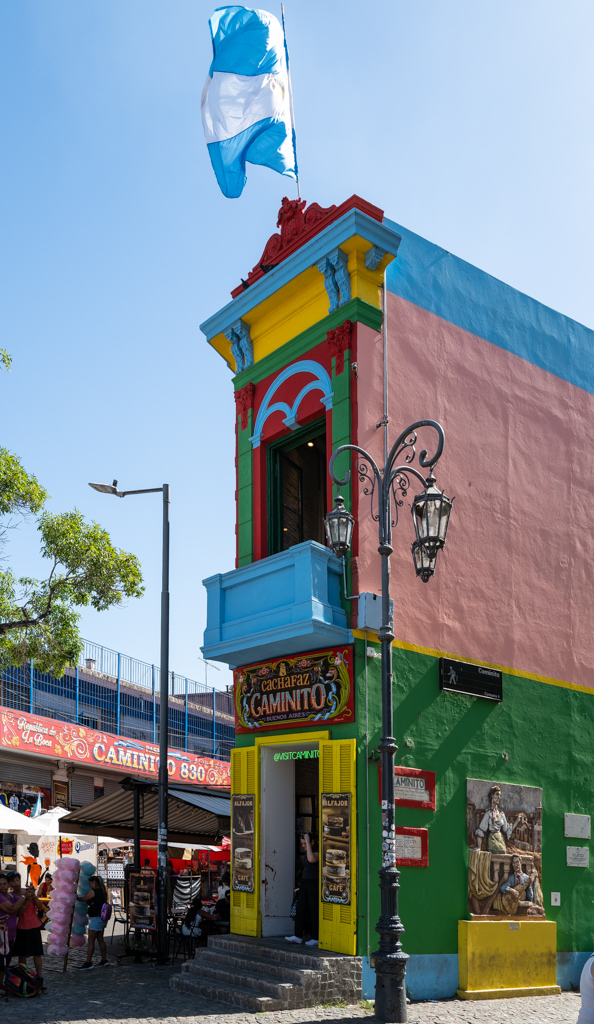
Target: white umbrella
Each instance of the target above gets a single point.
(12, 821)
(47, 824)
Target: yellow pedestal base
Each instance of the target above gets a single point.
(503, 959)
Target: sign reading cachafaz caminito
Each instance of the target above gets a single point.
(306, 688)
(37, 734)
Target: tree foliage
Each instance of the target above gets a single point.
(39, 618)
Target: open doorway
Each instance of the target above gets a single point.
(297, 488)
(289, 795)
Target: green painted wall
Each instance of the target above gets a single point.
(245, 493)
(548, 733)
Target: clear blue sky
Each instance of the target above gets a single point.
(470, 123)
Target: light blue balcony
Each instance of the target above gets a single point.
(281, 605)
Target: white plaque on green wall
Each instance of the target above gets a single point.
(578, 857)
(577, 826)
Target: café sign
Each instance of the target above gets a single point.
(303, 689)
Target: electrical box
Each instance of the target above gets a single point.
(369, 612)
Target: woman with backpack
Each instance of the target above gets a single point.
(96, 899)
(28, 937)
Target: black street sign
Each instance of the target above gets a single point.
(476, 680)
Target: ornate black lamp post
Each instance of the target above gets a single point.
(431, 511)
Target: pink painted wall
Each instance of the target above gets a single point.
(514, 584)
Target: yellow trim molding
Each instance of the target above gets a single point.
(434, 653)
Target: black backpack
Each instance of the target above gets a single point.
(20, 981)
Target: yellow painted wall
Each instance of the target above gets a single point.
(303, 302)
(505, 958)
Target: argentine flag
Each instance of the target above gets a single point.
(245, 102)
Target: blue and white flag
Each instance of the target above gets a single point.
(245, 102)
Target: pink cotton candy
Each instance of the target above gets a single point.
(60, 950)
(77, 940)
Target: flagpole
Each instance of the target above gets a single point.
(293, 132)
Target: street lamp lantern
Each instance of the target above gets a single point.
(339, 527)
(431, 515)
(387, 489)
(424, 559)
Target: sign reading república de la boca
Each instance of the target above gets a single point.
(300, 690)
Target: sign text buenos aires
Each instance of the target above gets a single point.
(304, 688)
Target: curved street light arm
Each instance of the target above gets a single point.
(408, 439)
(404, 470)
(351, 448)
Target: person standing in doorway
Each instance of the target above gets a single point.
(308, 896)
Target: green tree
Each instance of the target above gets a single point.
(39, 618)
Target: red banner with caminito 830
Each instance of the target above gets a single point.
(37, 734)
(305, 689)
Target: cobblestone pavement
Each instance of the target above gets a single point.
(140, 994)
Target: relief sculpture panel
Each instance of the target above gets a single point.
(504, 829)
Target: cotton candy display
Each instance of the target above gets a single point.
(80, 919)
(61, 906)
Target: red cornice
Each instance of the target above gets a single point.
(298, 225)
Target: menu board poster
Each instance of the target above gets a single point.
(142, 901)
(242, 842)
(336, 848)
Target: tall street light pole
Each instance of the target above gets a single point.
(162, 943)
(431, 511)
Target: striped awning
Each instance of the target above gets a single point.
(194, 818)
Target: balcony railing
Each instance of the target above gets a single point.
(112, 692)
(281, 605)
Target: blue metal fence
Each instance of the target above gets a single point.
(112, 692)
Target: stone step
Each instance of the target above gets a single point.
(232, 994)
(289, 994)
(291, 954)
(236, 961)
(262, 975)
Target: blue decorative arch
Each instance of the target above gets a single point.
(321, 383)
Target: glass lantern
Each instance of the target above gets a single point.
(424, 559)
(339, 528)
(431, 515)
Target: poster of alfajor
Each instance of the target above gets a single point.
(336, 848)
(242, 842)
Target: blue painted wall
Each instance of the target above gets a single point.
(436, 280)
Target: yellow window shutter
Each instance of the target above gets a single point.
(338, 923)
(245, 906)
